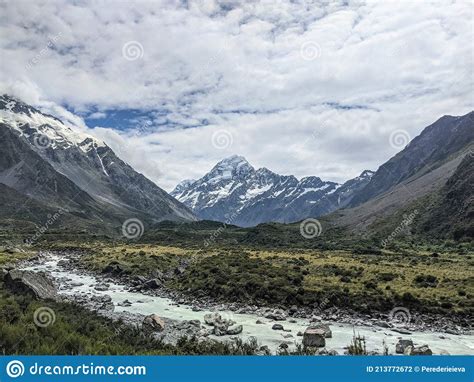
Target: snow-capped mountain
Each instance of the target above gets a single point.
(61, 166)
(235, 192)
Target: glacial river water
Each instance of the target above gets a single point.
(341, 333)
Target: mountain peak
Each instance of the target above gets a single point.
(233, 187)
(34, 124)
(233, 161)
(229, 168)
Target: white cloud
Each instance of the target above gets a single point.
(239, 66)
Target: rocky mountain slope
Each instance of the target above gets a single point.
(62, 167)
(437, 142)
(235, 192)
(431, 179)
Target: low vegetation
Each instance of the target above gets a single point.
(423, 281)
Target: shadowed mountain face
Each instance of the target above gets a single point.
(235, 192)
(435, 144)
(431, 178)
(62, 167)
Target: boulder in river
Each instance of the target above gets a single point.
(153, 323)
(314, 337)
(418, 350)
(402, 345)
(324, 327)
(220, 328)
(277, 327)
(102, 287)
(276, 315)
(34, 283)
(233, 330)
(212, 318)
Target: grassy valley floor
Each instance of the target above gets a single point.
(422, 281)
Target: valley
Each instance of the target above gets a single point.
(240, 261)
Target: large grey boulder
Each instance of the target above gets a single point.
(314, 337)
(402, 345)
(34, 283)
(220, 328)
(153, 323)
(324, 327)
(212, 318)
(419, 350)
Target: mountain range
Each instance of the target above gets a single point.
(47, 166)
(237, 193)
(55, 166)
(234, 192)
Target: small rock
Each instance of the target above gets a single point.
(212, 318)
(402, 345)
(220, 328)
(276, 315)
(401, 331)
(236, 329)
(102, 287)
(382, 324)
(277, 327)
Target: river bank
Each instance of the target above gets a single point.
(122, 301)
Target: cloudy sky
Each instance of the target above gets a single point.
(321, 88)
